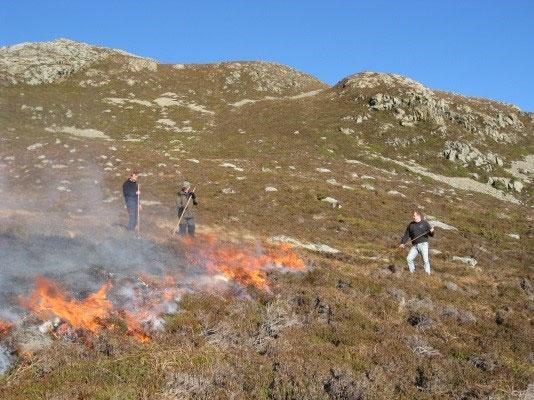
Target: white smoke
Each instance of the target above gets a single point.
(70, 236)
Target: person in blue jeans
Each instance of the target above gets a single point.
(131, 192)
(418, 232)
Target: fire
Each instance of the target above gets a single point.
(5, 328)
(91, 314)
(245, 265)
(165, 288)
(134, 322)
(48, 300)
(155, 297)
(149, 297)
(282, 256)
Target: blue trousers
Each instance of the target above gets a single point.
(131, 206)
(187, 226)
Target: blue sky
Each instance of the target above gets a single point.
(481, 48)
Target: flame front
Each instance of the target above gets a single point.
(152, 296)
(48, 300)
(244, 265)
(5, 328)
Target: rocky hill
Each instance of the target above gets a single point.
(485, 141)
(275, 155)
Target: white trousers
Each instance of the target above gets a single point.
(419, 248)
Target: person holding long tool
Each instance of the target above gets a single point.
(131, 192)
(186, 221)
(417, 232)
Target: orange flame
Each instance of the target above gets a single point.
(238, 266)
(48, 300)
(248, 266)
(134, 324)
(245, 266)
(5, 328)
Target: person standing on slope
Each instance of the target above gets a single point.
(184, 209)
(418, 232)
(131, 192)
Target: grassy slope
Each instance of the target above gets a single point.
(363, 337)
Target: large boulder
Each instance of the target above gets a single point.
(470, 261)
(515, 185)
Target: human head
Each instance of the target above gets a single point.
(134, 175)
(417, 215)
(186, 185)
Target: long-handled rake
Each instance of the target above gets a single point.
(417, 237)
(138, 227)
(394, 250)
(182, 214)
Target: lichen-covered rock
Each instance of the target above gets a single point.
(333, 202)
(45, 62)
(383, 102)
(516, 185)
(452, 286)
(462, 317)
(48, 62)
(346, 131)
(267, 77)
(470, 261)
(503, 183)
(466, 154)
(421, 347)
(410, 102)
(140, 64)
(371, 80)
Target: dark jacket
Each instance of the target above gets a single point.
(181, 201)
(415, 229)
(129, 190)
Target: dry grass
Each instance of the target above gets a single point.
(346, 327)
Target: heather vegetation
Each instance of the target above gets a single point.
(275, 156)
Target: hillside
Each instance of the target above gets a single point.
(276, 156)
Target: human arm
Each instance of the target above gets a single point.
(405, 237)
(430, 229)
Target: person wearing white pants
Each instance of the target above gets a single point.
(419, 248)
(417, 232)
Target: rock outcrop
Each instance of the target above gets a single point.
(411, 103)
(506, 183)
(268, 77)
(48, 62)
(411, 107)
(466, 153)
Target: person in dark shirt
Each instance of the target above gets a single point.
(184, 208)
(417, 232)
(131, 192)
